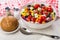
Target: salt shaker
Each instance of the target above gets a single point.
(16, 13)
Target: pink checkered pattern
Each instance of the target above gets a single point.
(21, 3)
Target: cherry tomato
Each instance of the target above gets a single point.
(36, 6)
(43, 18)
(46, 13)
(27, 19)
(33, 19)
(40, 21)
(42, 10)
(29, 16)
(43, 7)
(49, 9)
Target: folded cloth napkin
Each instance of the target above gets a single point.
(46, 38)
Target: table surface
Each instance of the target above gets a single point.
(54, 29)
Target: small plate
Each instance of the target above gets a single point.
(11, 31)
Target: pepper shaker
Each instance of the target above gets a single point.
(8, 13)
(16, 13)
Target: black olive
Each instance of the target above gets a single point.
(42, 5)
(29, 6)
(33, 9)
(26, 16)
(54, 13)
(46, 21)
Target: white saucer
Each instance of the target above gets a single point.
(8, 32)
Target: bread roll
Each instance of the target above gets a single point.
(9, 23)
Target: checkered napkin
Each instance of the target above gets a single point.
(21, 3)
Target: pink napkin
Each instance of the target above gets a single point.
(21, 3)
